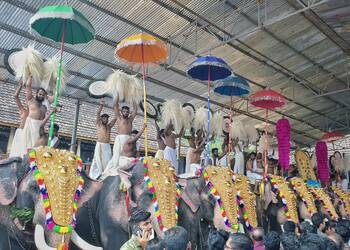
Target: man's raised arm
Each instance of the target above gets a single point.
(17, 99)
(29, 93)
(99, 110)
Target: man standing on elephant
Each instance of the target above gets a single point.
(36, 115)
(170, 145)
(103, 153)
(142, 231)
(124, 121)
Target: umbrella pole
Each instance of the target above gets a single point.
(266, 142)
(208, 138)
(58, 82)
(144, 102)
(229, 136)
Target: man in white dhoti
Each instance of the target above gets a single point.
(254, 174)
(35, 117)
(170, 145)
(18, 148)
(103, 153)
(43, 136)
(239, 157)
(124, 121)
(127, 157)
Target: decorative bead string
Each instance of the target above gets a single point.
(215, 193)
(154, 196)
(50, 223)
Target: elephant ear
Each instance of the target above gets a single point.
(191, 194)
(8, 180)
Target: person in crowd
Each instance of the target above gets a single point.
(18, 149)
(337, 239)
(272, 241)
(217, 239)
(290, 241)
(253, 172)
(319, 220)
(344, 231)
(239, 157)
(239, 241)
(316, 239)
(289, 226)
(177, 238)
(170, 145)
(155, 245)
(36, 115)
(331, 226)
(142, 231)
(55, 142)
(306, 227)
(103, 152)
(43, 136)
(125, 121)
(160, 141)
(258, 238)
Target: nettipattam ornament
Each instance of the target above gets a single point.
(160, 179)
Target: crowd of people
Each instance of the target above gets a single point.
(319, 233)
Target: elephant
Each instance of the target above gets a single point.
(13, 235)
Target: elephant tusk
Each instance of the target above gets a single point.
(79, 242)
(39, 239)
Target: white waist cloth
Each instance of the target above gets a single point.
(102, 156)
(188, 160)
(191, 172)
(31, 132)
(119, 142)
(159, 155)
(253, 177)
(239, 162)
(124, 162)
(18, 148)
(170, 155)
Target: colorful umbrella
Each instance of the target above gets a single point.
(231, 86)
(332, 137)
(61, 24)
(209, 68)
(267, 99)
(142, 48)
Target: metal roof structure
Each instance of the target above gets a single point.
(300, 48)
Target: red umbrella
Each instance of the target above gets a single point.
(332, 136)
(267, 99)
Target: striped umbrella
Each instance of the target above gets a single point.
(142, 49)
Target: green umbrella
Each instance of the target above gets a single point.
(61, 24)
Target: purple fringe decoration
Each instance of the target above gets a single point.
(283, 138)
(322, 161)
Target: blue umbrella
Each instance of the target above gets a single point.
(232, 86)
(209, 68)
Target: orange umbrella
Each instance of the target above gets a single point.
(142, 48)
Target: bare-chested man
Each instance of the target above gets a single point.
(196, 152)
(170, 145)
(17, 148)
(36, 115)
(124, 121)
(43, 136)
(103, 153)
(127, 156)
(160, 141)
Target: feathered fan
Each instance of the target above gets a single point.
(201, 119)
(28, 62)
(50, 74)
(217, 124)
(172, 113)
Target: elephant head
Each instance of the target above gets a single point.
(58, 171)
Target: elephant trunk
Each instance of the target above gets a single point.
(39, 238)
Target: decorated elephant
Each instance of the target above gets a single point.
(13, 235)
